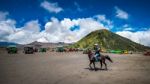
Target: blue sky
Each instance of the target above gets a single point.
(128, 18)
(25, 10)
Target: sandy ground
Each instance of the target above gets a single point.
(72, 68)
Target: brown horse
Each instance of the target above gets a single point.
(102, 60)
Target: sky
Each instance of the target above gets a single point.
(26, 21)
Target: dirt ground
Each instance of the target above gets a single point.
(72, 68)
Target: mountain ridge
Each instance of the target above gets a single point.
(5, 44)
(108, 40)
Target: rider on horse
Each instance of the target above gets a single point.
(97, 55)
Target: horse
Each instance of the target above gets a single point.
(102, 60)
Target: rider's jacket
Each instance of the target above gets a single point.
(97, 52)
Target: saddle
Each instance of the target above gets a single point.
(96, 58)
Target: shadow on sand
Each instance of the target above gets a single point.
(96, 69)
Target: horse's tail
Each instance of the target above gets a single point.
(108, 58)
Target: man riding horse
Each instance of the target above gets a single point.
(97, 49)
(97, 56)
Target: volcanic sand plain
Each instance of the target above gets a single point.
(72, 68)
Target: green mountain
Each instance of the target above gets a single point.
(108, 40)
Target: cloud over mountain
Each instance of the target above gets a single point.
(141, 37)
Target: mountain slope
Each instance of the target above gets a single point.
(108, 40)
(5, 44)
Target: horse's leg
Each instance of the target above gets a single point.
(105, 64)
(90, 64)
(101, 63)
(94, 65)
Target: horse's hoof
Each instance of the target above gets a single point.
(91, 68)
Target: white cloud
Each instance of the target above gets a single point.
(60, 30)
(33, 26)
(126, 27)
(78, 7)
(3, 15)
(55, 30)
(28, 33)
(43, 39)
(141, 37)
(103, 19)
(7, 27)
(121, 14)
(51, 7)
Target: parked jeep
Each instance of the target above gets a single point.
(28, 50)
(12, 49)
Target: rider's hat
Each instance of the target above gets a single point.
(96, 44)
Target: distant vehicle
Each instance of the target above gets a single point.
(42, 50)
(116, 51)
(125, 52)
(147, 53)
(79, 49)
(130, 52)
(12, 49)
(60, 49)
(28, 50)
(35, 50)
